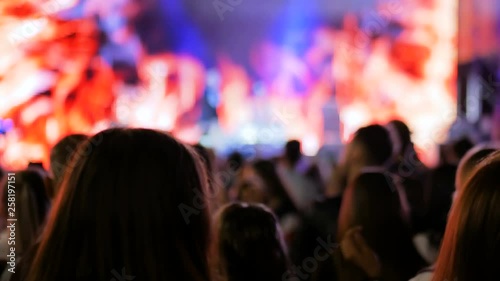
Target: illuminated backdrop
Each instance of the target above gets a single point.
(229, 73)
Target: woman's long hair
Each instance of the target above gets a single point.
(30, 207)
(471, 244)
(248, 244)
(374, 202)
(133, 204)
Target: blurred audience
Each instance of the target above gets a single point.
(410, 170)
(302, 189)
(439, 188)
(370, 146)
(137, 202)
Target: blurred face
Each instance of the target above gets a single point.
(354, 153)
(253, 191)
(352, 160)
(248, 173)
(253, 194)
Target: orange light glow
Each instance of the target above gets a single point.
(371, 79)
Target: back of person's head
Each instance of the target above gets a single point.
(60, 157)
(235, 161)
(471, 245)
(371, 146)
(135, 202)
(292, 152)
(375, 145)
(267, 171)
(24, 198)
(469, 162)
(248, 244)
(374, 202)
(403, 134)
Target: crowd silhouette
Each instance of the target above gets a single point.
(137, 204)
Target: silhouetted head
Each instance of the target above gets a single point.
(471, 244)
(403, 133)
(235, 161)
(370, 146)
(376, 203)
(134, 201)
(292, 152)
(60, 157)
(248, 244)
(26, 190)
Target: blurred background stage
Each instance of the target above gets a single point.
(246, 75)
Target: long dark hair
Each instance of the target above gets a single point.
(471, 244)
(248, 244)
(133, 204)
(375, 202)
